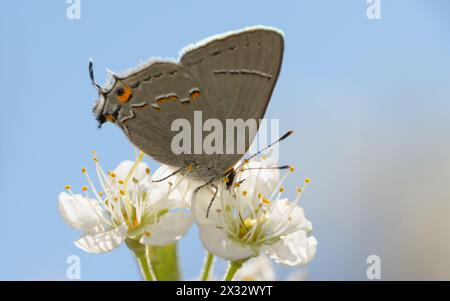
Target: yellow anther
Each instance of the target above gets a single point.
(112, 174)
(83, 170)
(190, 167)
(265, 201)
(100, 193)
(259, 195)
(121, 182)
(263, 157)
(67, 187)
(147, 171)
(246, 161)
(226, 180)
(299, 190)
(237, 185)
(94, 153)
(95, 159)
(122, 192)
(248, 223)
(84, 188)
(281, 189)
(147, 234)
(307, 180)
(291, 169)
(244, 193)
(115, 199)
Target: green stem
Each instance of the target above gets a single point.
(144, 265)
(233, 267)
(164, 261)
(209, 260)
(139, 251)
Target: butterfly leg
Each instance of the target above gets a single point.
(212, 200)
(185, 168)
(209, 183)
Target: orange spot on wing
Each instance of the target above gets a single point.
(172, 98)
(195, 94)
(127, 93)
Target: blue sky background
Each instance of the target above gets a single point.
(369, 101)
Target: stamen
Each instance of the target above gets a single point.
(307, 180)
(67, 187)
(280, 183)
(85, 188)
(128, 207)
(91, 183)
(244, 193)
(299, 191)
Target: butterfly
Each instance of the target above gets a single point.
(228, 76)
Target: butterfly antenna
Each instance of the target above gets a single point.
(171, 175)
(91, 76)
(269, 167)
(287, 134)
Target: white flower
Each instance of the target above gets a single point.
(252, 218)
(256, 269)
(130, 205)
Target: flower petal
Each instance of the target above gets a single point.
(256, 269)
(200, 202)
(124, 168)
(283, 211)
(170, 228)
(79, 212)
(257, 181)
(294, 249)
(103, 241)
(217, 243)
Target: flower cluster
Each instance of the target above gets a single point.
(254, 218)
(245, 220)
(129, 205)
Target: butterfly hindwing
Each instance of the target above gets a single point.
(239, 70)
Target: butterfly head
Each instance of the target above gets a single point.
(109, 101)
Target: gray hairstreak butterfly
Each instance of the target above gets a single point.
(225, 76)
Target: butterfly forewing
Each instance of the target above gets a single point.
(226, 77)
